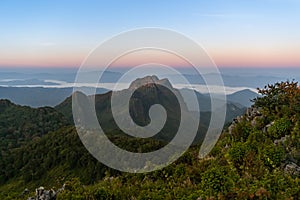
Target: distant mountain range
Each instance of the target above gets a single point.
(43, 96)
(38, 96)
(243, 97)
(48, 89)
(108, 77)
(16, 82)
(251, 80)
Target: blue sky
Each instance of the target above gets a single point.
(238, 33)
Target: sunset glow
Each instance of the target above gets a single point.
(234, 33)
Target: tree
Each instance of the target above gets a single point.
(281, 99)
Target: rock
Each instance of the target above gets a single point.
(265, 129)
(42, 194)
(251, 115)
(292, 169)
(252, 112)
(26, 191)
(230, 128)
(254, 122)
(239, 119)
(281, 140)
(111, 178)
(149, 80)
(269, 125)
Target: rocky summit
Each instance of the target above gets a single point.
(149, 80)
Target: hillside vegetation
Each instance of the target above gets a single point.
(257, 157)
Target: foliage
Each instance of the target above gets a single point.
(19, 124)
(243, 165)
(273, 155)
(282, 99)
(238, 153)
(217, 180)
(241, 131)
(280, 128)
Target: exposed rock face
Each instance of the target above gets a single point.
(292, 169)
(282, 140)
(252, 114)
(42, 194)
(265, 129)
(149, 80)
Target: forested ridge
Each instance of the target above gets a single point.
(257, 157)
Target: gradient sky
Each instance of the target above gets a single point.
(236, 33)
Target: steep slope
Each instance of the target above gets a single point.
(149, 91)
(153, 91)
(256, 158)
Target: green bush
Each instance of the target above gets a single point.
(217, 180)
(238, 152)
(273, 155)
(280, 128)
(241, 131)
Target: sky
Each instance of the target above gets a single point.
(235, 33)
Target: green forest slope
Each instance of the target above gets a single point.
(257, 157)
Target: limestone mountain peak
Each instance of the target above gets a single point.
(149, 80)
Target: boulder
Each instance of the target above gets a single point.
(292, 169)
